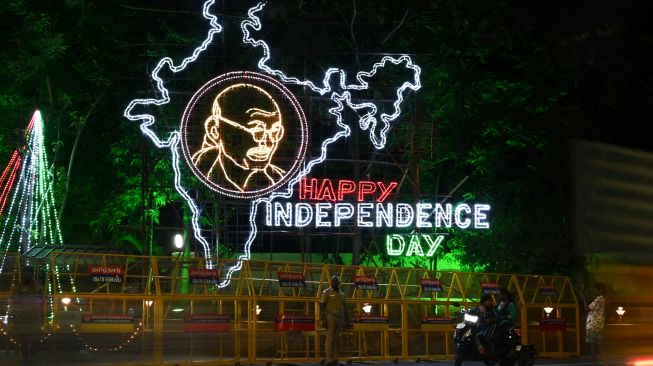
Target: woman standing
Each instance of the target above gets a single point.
(595, 322)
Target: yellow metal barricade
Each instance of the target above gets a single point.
(153, 309)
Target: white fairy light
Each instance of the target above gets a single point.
(414, 247)
(480, 217)
(303, 214)
(342, 211)
(422, 214)
(281, 213)
(363, 215)
(389, 244)
(383, 215)
(321, 212)
(434, 244)
(404, 215)
(462, 221)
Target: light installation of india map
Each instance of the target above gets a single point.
(243, 134)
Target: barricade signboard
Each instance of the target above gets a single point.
(203, 276)
(490, 288)
(437, 324)
(207, 323)
(108, 318)
(294, 322)
(371, 319)
(107, 323)
(105, 274)
(552, 325)
(547, 290)
(437, 320)
(366, 283)
(371, 323)
(430, 285)
(291, 279)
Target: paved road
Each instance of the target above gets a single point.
(610, 360)
(117, 359)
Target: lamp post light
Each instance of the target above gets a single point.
(548, 310)
(179, 241)
(258, 309)
(146, 313)
(367, 308)
(621, 312)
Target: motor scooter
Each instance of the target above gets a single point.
(502, 343)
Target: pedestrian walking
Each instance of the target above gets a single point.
(27, 305)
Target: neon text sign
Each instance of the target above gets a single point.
(330, 205)
(325, 203)
(419, 245)
(326, 190)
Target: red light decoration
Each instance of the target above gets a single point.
(8, 178)
(323, 190)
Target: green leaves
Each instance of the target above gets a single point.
(492, 100)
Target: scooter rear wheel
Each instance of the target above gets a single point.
(525, 359)
(458, 361)
(508, 361)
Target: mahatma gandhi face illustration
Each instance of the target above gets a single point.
(242, 135)
(245, 128)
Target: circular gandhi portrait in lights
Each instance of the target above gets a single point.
(244, 134)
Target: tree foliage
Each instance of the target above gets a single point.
(506, 85)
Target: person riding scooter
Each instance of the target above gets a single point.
(487, 334)
(486, 323)
(507, 307)
(507, 310)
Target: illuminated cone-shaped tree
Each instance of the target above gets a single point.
(30, 217)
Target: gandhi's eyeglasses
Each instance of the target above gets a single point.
(258, 131)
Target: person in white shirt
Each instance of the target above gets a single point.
(595, 322)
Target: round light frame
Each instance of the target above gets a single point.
(254, 78)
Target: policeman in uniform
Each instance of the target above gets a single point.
(333, 316)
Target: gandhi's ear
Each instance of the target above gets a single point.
(211, 127)
(281, 132)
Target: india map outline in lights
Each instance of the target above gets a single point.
(282, 180)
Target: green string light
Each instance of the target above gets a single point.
(31, 219)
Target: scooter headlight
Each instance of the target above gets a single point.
(471, 318)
